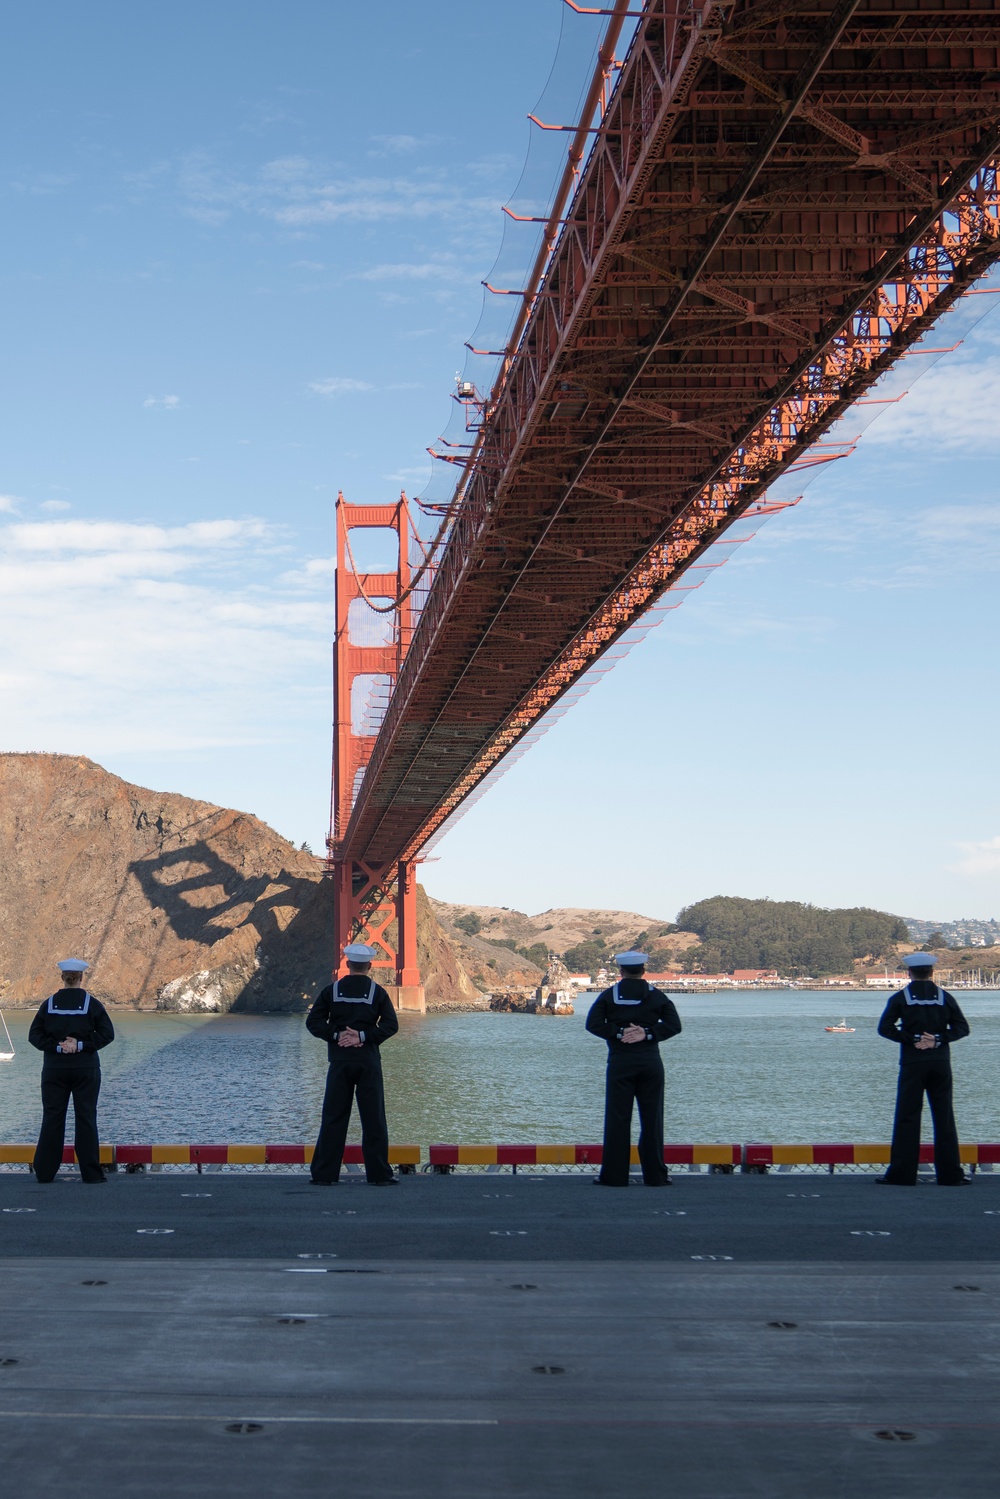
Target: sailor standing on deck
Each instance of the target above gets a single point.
(353, 1015)
(924, 1020)
(70, 1028)
(633, 1018)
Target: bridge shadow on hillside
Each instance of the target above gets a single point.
(204, 898)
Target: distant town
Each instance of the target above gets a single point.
(720, 943)
(965, 933)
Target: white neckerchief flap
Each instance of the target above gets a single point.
(354, 999)
(80, 1010)
(618, 997)
(911, 998)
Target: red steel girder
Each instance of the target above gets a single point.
(604, 466)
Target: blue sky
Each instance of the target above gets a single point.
(243, 251)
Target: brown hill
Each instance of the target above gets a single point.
(564, 927)
(177, 904)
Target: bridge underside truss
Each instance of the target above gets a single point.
(781, 198)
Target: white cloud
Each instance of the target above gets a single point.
(962, 523)
(426, 270)
(158, 637)
(9, 503)
(55, 505)
(337, 385)
(391, 143)
(317, 571)
(410, 477)
(953, 406)
(297, 192)
(980, 858)
(169, 403)
(126, 536)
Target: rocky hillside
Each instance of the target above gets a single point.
(177, 904)
(566, 927)
(490, 966)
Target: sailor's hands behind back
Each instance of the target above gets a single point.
(69, 1044)
(349, 1037)
(926, 1042)
(633, 1033)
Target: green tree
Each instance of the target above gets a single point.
(936, 941)
(790, 936)
(586, 957)
(470, 923)
(706, 958)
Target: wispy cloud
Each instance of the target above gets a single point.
(297, 192)
(979, 858)
(126, 536)
(338, 385)
(55, 505)
(9, 503)
(428, 270)
(412, 478)
(187, 639)
(41, 184)
(168, 403)
(387, 145)
(317, 572)
(953, 406)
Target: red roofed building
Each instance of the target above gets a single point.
(754, 975)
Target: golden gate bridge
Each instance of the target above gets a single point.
(765, 204)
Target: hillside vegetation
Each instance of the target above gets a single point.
(794, 938)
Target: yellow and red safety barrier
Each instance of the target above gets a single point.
(760, 1157)
(574, 1155)
(755, 1157)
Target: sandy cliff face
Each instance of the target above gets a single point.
(177, 903)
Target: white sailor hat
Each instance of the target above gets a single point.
(919, 960)
(631, 959)
(359, 952)
(72, 965)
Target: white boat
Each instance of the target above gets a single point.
(6, 1056)
(842, 1028)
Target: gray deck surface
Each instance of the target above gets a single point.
(386, 1342)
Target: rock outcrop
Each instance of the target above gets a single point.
(178, 904)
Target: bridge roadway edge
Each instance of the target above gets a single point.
(408, 1364)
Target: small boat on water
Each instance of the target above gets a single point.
(841, 1028)
(8, 1055)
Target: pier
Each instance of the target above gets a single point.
(493, 1334)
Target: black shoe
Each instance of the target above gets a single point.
(319, 1181)
(598, 1182)
(663, 1182)
(94, 1181)
(961, 1181)
(390, 1181)
(890, 1181)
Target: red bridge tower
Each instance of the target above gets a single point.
(373, 902)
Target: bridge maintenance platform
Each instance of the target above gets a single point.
(496, 1335)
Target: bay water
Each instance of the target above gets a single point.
(748, 1066)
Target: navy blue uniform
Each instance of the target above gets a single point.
(70, 1014)
(358, 1003)
(923, 1006)
(635, 1075)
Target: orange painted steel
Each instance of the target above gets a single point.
(780, 200)
(370, 898)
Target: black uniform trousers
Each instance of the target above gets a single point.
(632, 1079)
(919, 1073)
(62, 1081)
(356, 1072)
